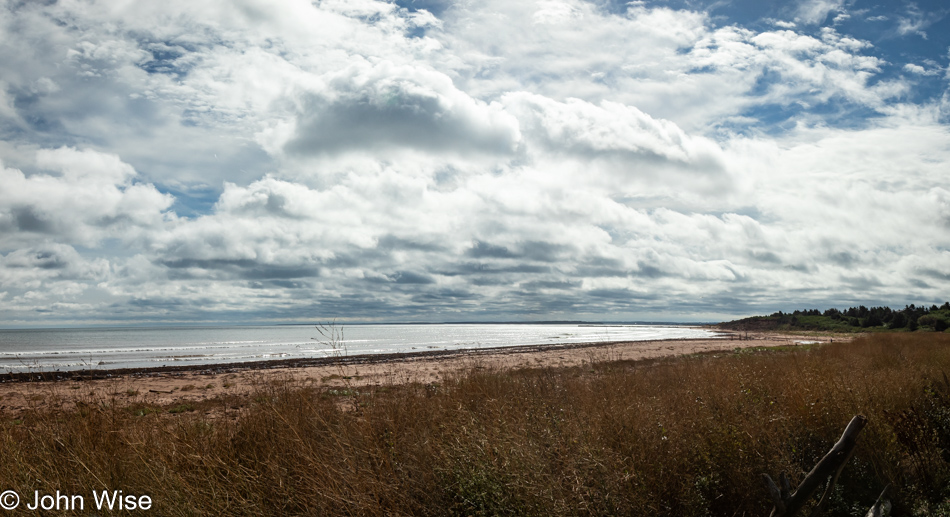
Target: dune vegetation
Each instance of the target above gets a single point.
(687, 436)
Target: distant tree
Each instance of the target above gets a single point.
(898, 321)
(873, 320)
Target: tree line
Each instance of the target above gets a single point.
(911, 317)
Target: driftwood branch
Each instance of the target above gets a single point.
(786, 486)
(831, 484)
(777, 497)
(789, 504)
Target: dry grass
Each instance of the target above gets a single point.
(677, 437)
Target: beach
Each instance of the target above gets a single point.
(189, 384)
(674, 427)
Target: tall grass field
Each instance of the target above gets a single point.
(687, 436)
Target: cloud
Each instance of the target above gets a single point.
(57, 260)
(919, 70)
(816, 11)
(48, 279)
(782, 24)
(914, 22)
(212, 161)
(378, 107)
(579, 127)
(79, 197)
(614, 147)
(156, 84)
(586, 243)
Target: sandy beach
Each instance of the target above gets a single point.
(166, 386)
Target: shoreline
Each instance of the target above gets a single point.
(195, 383)
(313, 362)
(100, 353)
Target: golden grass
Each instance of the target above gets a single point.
(678, 437)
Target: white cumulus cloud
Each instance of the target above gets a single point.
(208, 161)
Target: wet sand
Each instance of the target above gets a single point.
(168, 386)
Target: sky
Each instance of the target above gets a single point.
(250, 161)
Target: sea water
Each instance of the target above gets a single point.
(110, 348)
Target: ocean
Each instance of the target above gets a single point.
(137, 347)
